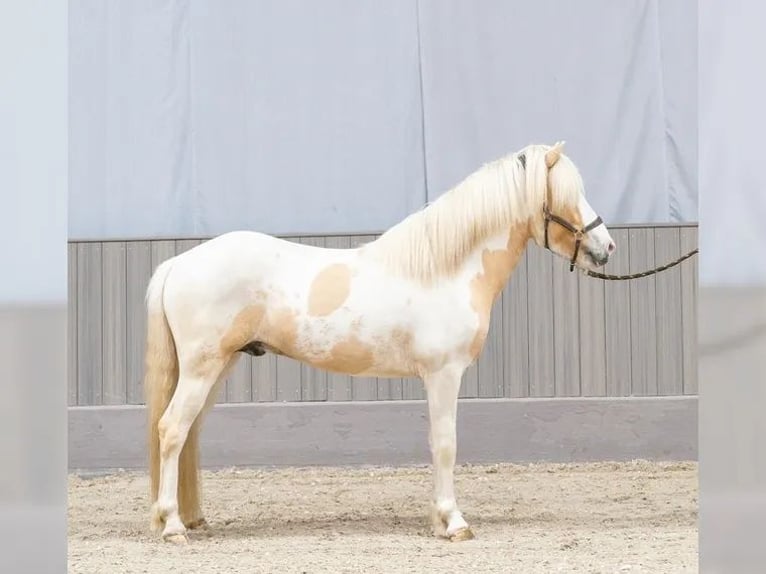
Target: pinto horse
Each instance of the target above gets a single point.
(415, 302)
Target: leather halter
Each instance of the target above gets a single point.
(579, 233)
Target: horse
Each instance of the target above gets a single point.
(415, 302)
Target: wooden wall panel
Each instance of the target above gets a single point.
(566, 333)
(114, 327)
(540, 321)
(591, 325)
(515, 339)
(617, 319)
(414, 389)
(668, 313)
(469, 387)
(183, 245)
(161, 250)
(264, 382)
(90, 371)
(389, 389)
(643, 324)
(239, 381)
(489, 365)
(139, 271)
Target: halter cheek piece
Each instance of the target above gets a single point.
(577, 232)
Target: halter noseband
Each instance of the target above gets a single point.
(578, 233)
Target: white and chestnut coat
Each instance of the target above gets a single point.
(414, 303)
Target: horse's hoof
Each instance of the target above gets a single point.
(179, 539)
(155, 525)
(156, 521)
(438, 528)
(197, 524)
(462, 535)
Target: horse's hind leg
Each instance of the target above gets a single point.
(190, 397)
(192, 515)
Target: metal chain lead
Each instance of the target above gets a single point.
(643, 273)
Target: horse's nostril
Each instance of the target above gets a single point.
(611, 247)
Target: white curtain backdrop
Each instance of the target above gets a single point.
(196, 118)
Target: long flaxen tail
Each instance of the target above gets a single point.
(160, 380)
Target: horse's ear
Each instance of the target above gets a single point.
(553, 154)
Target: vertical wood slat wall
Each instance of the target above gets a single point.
(553, 333)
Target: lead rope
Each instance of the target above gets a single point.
(608, 277)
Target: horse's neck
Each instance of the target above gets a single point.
(497, 257)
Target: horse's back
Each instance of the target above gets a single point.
(238, 265)
(249, 250)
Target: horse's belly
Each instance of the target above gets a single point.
(395, 344)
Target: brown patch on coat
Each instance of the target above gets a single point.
(280, 332)
(351, 356)
(329, 290)
(243, 327)
(395, 355)
(497, 266)
(275, 328)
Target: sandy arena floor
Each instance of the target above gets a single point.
(594, 518)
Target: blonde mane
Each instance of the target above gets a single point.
(435, 241)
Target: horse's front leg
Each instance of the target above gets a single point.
(442, 389)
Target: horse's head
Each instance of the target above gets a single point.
(567, 224)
